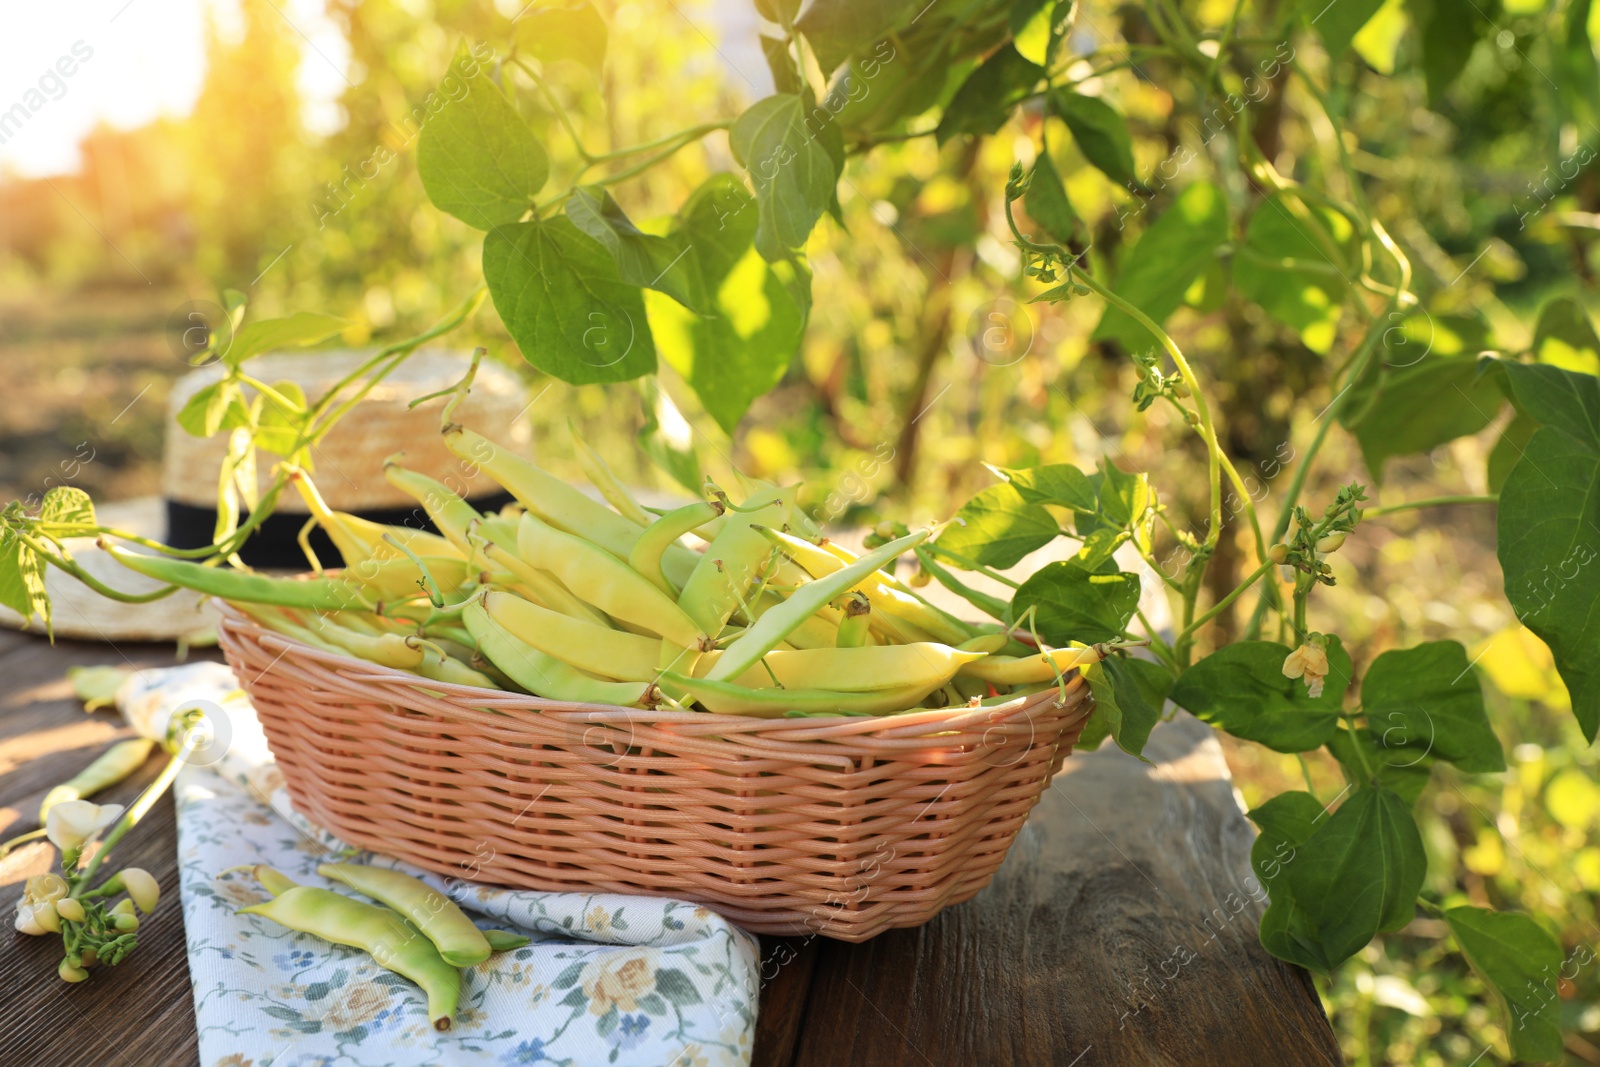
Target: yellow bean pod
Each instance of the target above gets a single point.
(549, 592)
(1026, 670)
(728, 698)
(600, 650)
(853, 670)
(544, 675)
(600, 475)
(733, 561)
(452, 515)
(606, 582)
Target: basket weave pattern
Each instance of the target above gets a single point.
(843, 828)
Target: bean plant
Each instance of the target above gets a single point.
(1287, 249)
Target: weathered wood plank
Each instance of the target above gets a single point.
(141, 1014)
(1121, 930)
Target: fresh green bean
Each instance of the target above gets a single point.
(505, 940)
(663, 533)
(111, 767)
(887, 594)
(600, 650)
(855, 628)
(459, 942)
(317, 594)
(601, 579)
(452, 515)
(766, 632)
(602, 478)
(557, 503)
(989, 605)
(545, 590)
(1044, 667)
(733, 561)
(728, 698)
(393, 944)
(544, 675)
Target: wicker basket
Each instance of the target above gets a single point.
(844, 828)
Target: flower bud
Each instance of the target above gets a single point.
(42, 888)
(1278, 553)
(90, 957)
(1330, 542)
(141, 886)
(70, 909)
(69, 973)
(37, 919)
(72, 822)
(125, 924)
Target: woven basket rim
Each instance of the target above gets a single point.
(904, 726)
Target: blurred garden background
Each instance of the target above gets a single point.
(272, 156)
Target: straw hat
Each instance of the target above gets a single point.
(347, 466)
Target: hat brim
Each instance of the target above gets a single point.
(79, 612)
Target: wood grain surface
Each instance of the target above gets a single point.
(1121, 929)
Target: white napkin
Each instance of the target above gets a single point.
(607, 980)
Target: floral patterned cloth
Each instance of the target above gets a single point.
(607, 979)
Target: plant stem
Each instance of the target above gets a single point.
(555, 105)
(72, 568)
(138, 808)
(1222, 605)
(1430, 502)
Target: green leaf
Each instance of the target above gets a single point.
(1427, 699)
(1281, 268)
(1100, 132)
(1177, 247)
(779, 11)
(277, 427)
(986, 99)
(1448, 35)
(15, 559)
(744, 347)
(1565, 337)
(998, 527)
(836, 28)
(558, 292)
(1359, 873)
(1418, 407)
(1241, 688)
(1508, 449)
(756, 310)
(292, 331)
(478, 160)
(665, 264)
(1122, 498)
(571, 31)
(1549, 516)
(1054, 483)
(786, 77)
(792, 171)
(1037, 27)
(1047, 204)
(1363, 756)
(1338, 21)
(203, 414)
(1577, 73)
(1285, 822)
(1077, 604)
(1127, 695)
(1522, 963)
(67, 505)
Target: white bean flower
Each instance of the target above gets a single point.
(1309, 661)
(73, 822)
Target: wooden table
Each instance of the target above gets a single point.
(1121, 929)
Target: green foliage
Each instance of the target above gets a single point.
(1359, 872)
(1072, 602)
(1548, 523)
(1100, 133)
(1281, 268)
(1171, 254)
(560, 296)
(1520, 960)
(1419, 406)
(1241, 688)
(478, 160)
(793, 172)
(1426, 700)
